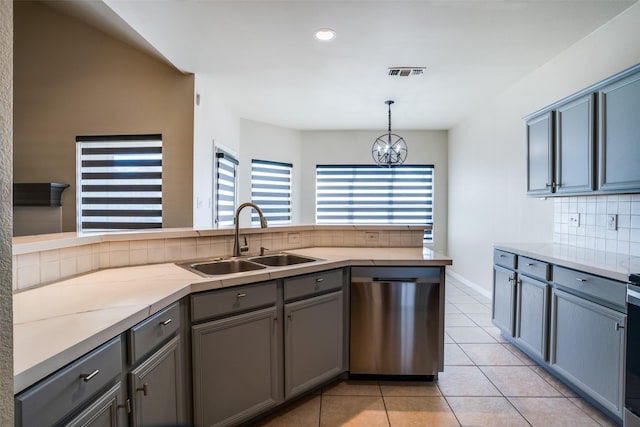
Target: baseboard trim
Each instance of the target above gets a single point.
(470, 284)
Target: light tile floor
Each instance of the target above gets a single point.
(486, 382)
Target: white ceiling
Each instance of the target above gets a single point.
(269, 68)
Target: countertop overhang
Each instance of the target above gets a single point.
(58, 323)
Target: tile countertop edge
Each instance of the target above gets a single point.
(192, 283)
(606, 264)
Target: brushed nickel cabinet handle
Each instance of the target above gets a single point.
(241, 295)
(318, 280)
(166, 322)
(88, 377)
(144, 389)
(580, 280)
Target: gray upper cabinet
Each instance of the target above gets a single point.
(565, 139)
(540, 155)
(619, 165)
(574, 163)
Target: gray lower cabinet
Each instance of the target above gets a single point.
(105, 411)
(157, 388)
(587, 348)
(504, 300)
(313, 342)
(235, 367)
(619, 104)
(532, 315)
(89, 386)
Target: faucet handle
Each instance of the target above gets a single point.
(245, 247)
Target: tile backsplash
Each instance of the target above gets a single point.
(48, 266)
(584, 222)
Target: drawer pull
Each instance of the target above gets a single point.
(580, 280)
(144, 389)
(166, 322)
(320, 279)
(241, 295)
(619, 326)
(502, 256)
(88, 377)
(530, 264)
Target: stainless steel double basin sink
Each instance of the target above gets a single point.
(239, 265)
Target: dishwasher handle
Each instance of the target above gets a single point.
(396, 279)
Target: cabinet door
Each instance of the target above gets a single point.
(587, 348)
(313, 342)
(504, 299)
(532, 315)
(235, 368)
(105, 411)
(157, 389)
(574, 146)
(619, 105)
(540, 155)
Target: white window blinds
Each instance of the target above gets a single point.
(271, 190)
(119, 182)
(360, 194)
(226, 183)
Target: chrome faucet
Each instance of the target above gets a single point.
(263, 224)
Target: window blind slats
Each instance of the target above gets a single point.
(120, 182)
(271, 190)
(226, 183)
(360, 194)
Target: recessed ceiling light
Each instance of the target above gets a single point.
(325, 34)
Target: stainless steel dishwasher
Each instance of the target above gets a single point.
(397, 321)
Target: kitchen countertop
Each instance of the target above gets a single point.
(606, 264)
(56, 324)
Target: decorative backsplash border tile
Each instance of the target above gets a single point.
(583, 222)
(48, 266)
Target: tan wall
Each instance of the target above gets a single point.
(71, 79)
(6, 128)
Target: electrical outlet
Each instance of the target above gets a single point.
(574, 220)
(612, 222)
(293, 237)
(371, 237)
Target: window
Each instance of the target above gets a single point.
(359, 194)
(226, 183)
(119, 182)
(271, 190)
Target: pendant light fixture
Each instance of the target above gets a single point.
(389, 149)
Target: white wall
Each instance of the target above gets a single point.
(263, 141)
(213, 121)
(354, 147)
(487, 168)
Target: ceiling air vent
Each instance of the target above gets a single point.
(406, 71)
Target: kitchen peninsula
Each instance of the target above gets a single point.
(57, 323)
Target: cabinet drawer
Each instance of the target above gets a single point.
(606, 290)
(311, 284)
(504, 259)
(232, 300)
(151, 333)
(534, 268)
(52, 399)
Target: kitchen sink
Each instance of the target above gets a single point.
(281, 260)
(213, 268)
